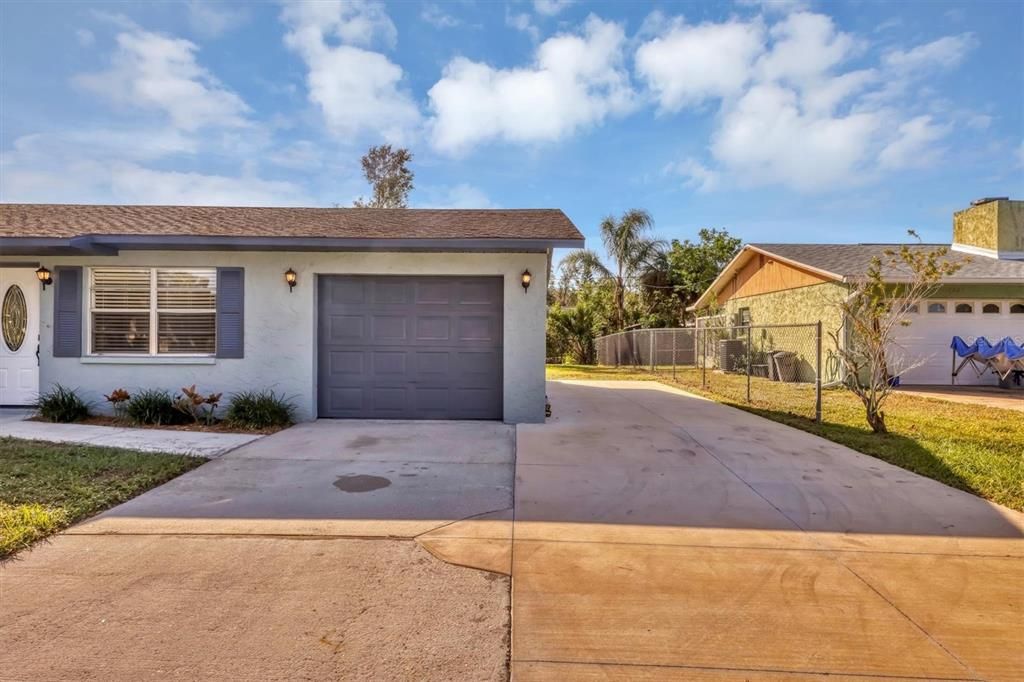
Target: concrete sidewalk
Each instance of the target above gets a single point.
(194, 443)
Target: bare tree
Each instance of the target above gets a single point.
(387, 171)
(876, 307)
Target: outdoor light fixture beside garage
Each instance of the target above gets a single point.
(527, 278)
(292, 278)
(44, 276)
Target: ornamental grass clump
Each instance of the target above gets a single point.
(260, 410)
(62, 405)
(153, 406)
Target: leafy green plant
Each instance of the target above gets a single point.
(260, 410)
(118, 398)
(198, 407)
(63, 405)
(152, 406)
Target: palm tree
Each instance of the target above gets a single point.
(634, 256)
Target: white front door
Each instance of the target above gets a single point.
(19, 336)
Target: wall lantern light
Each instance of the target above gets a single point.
(44, 276)
(526, 278)
(291, 278)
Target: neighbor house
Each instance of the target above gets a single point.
(801, 283)
(363, 313)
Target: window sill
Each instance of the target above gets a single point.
(147, 360)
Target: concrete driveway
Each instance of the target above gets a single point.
(662, 536)
(655, 536)
(291, 558)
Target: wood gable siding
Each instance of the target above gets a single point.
(762, 275)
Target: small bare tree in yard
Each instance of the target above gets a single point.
(876, 307)
(387, 171)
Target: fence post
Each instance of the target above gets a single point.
(674, 337)
(817, 373)
(652, 333)
(704, 358)
(749, 353)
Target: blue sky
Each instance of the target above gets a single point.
(779, 121)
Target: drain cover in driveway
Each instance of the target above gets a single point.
(361, 483)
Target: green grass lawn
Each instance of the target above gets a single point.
(973, 448)
(45, 487)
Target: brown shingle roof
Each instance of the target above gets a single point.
(852, 260)
(75, 220)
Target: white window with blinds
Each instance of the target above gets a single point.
(152, 311)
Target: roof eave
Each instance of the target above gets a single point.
(110, 245)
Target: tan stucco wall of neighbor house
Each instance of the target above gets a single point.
(280, 327)
(994, 225)
(803, 305)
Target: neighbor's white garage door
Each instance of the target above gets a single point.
(933, 327)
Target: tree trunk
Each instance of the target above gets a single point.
(620, 304)
(876, 420)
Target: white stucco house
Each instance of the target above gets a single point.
(351, 313)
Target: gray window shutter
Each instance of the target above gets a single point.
(67, 312)
(230, 312)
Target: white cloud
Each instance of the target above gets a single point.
(358, 90)
(806, 46)
(131, 183)
(301, 155)
(437, 17)
(158, 73)
(462, 195)
(979, 121)
(687, 64)
(354, 22)
(1020, 155)
(791, 111)
(550, 8)
(767, 139)
(109, 166)
(522, 22)
(212, 19)
(914, 145)
(575, 81)
(696, 175)
(775, 6)
(945, 53)
(85, 37)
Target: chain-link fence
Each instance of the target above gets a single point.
(777, 367)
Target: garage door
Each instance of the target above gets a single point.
(932, 327)
(410, 347)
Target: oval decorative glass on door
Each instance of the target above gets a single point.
(15, 317)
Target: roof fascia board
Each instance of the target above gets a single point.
(111, 244)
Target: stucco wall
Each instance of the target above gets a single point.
(995, 226)
(803, 305)
(280, 327)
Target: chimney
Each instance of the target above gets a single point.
(992, 227)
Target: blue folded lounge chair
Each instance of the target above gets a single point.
(971, 354)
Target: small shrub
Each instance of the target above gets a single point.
(63, 405)
(152, 406)
(118, 398)
(260, 410)
(191, 404)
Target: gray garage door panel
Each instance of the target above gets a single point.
(410, 347)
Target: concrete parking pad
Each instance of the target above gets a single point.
(291, 558)
(659, 535)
